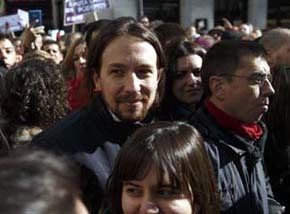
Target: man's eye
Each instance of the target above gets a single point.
(144, 73)
(259, 79)
(117, 71)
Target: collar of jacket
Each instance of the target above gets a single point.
(237, 144)
(118, 131)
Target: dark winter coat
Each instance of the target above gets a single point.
(238, 165)
(92, 138)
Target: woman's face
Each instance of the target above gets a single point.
(149, 196)
(79, 58)
(186, 86)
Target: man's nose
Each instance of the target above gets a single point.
(148, 207)
(132, 83)
(267, 88)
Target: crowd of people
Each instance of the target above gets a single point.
(132, 116)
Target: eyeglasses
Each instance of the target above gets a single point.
(257, 78)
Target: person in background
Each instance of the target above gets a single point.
(277, 45)
(191, 33)
(35, 98)
(37, 182)
(18, 44)
(169, 172)
(145, 21)
(236, 82)
(69, 38)
(183, 81)
(53, 48)
(8, 55)
(74, 68)
(167, 32)
(277, 150)
(125, 63)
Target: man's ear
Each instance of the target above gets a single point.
(270, 56)
(97, 81)
(217, 87)
(160, 74)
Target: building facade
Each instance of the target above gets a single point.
(185, 12)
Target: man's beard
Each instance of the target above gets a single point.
(130, 98)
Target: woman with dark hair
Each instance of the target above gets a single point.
(183, 82)
(163, 168)
(277, 150)
(35, 98)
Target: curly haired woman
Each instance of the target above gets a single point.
(35, 99)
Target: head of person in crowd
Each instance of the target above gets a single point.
(145, 21)
(169, 172)
(92, 29)
(19, 48)
(168, 31)
(69, 38)
(277, 45)
(74, 63)
(216, 33)
(40, 183)
(236, 78)
(247, 29)
(232, 35)
(8, 55)
(125, 63)
(156, 23)
(256, 34)
(183, 81)
(35, 99)
(191, 33)
(37, 54)
(53, 48)
(205, 41)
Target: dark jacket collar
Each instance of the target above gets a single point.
(208, 126)
(116, 131)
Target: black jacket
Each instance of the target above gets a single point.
(238, 165)
(277, 159)
(91, 138)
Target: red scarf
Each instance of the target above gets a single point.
(250, 131)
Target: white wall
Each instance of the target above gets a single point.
(190, 10)
(257, 13)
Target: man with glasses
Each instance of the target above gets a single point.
(237, 84)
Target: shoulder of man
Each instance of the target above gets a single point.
(75, 133)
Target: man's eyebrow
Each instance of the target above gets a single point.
(145, 66)
(116, 65)
(259, 72)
